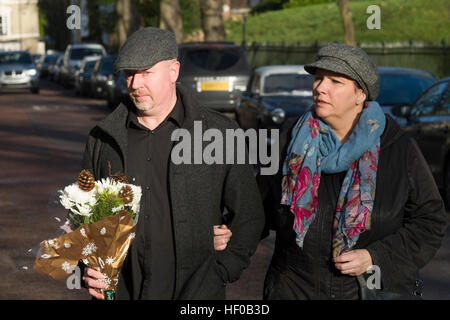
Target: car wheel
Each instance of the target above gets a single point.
(34, 90)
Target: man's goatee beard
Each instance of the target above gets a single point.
(143, 107)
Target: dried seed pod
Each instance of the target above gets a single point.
(126, 193)
(119, 177)
(86, 181)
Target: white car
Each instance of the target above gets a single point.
(73, 56)
(17, 70)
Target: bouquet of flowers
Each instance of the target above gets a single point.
(104, 214)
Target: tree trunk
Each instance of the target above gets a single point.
(212, 22)
(128, 19)
(170, 18)
(346, 15)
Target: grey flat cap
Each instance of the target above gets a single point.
(350, 61)
(146, 47)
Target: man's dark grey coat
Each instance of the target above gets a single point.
(198, 195)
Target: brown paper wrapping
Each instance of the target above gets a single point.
(103, 245)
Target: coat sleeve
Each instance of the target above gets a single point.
(270, 186)
(242, 199)
(413, 245)
(87, 162)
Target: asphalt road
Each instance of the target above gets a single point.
(41, 142)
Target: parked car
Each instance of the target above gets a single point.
(55, 69)
(275, 97)
(217, 72)
(100, 75)
(73, 56)
(36, 58)
(116, 90)
(17, 70)
(83, 76)
(44, 64)
(401, 87)
(428, 121)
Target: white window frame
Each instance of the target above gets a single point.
(5, 14)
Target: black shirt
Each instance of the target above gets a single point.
(149, 156)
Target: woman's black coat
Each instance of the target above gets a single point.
(407, 226)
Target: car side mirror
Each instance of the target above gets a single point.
(255, 95)
(400, 111)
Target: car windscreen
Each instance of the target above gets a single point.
(401, 89)
(288, 83)
(80, 53)
(89, 65)
(106, 66)
(15, 57)
(212, 58)
(51, 58)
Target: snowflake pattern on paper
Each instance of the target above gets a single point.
(89, 249)
(106, 281)
(52, 243)
(109, 260)
(103, 231)
(67, 267)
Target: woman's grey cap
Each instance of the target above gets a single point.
(146, 47)
(350, 61)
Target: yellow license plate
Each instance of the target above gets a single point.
(214, 86)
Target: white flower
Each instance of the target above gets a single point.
(83, 210)
(76, 195)
(135, 203)
(67, 267)
(89, 249)
(109, 260)
(65, 201)
(114, 210)
(108, 185)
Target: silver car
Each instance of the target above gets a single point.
(17, 70)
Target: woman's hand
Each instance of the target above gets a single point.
(222, 236)
(353, 263)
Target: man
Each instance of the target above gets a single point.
(173, 255)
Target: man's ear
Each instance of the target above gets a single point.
(174, 70)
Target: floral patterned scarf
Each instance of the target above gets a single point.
(314, 148)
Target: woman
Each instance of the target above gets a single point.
(354, 191)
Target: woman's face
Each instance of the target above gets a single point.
(336, 97)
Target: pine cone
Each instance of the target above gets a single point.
(119, 177)
(86, 181)
(126, 193)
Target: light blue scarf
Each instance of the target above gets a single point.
(314, 148)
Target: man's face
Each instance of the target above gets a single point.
(153, 88)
